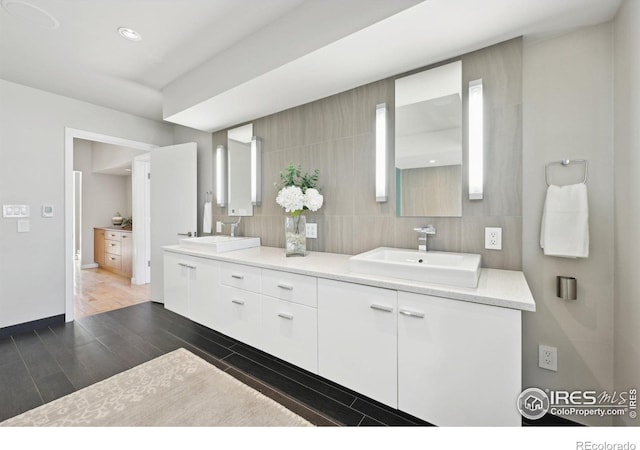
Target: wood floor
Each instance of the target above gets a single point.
(98, 290)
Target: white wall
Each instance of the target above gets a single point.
(627, 202)
(103, 196)
(32, 139)
(568, 114)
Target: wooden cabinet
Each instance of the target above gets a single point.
(113, 250)
(98, 246)
(126, 253)
(357, 338)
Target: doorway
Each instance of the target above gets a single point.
(70, 222)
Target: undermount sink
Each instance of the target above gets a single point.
(220, 243)
(456, 269)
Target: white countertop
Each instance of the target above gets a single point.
(503, 288)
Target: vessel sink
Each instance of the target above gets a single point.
(220, 244)
(456, 269)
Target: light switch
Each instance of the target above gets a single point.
(24, 226)
(47, 210)
(15, 211)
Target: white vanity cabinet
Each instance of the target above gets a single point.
(458, 362)
(190, 286)
(237, 307)
(357, 338)
(451, 357)
(289, 323)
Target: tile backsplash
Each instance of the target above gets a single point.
(336, 135)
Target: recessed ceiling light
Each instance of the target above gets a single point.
(31, 13)
(127, 170)
(129, 34)
(431, 161)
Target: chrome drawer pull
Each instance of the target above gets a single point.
(286, 316)
(382, 308)
(286, 287)
(113, 245)
(187, 265)
(237, 277)
(237, 302)
(418, 315)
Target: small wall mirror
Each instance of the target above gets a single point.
(428, 142)
(239, 174)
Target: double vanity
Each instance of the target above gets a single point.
(446, 349)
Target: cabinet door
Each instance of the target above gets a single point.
(126, 254)
(237, 314)
(290, 332)
(458, 362)
(357, 338)
(98, 246)
(176, 283)
(203, 288)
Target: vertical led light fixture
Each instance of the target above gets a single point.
(476, 140)
(221, 176)
(381, 153)
(256, 172)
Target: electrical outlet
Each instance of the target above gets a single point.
(493, 238)
(218, 227)
(312, 230)
(548, 357)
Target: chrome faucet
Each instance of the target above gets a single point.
(423, 236)
(234, 227)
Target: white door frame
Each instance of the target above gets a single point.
(69, 135)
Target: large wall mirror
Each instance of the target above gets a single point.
(239, 170)
(428, 142)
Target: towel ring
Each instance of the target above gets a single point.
(566, 162)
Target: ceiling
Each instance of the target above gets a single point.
(210, 64)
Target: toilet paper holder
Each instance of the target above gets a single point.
(566, 287)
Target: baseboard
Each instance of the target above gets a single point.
(30, 326)
(89, 266)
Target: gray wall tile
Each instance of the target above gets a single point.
(337, 136)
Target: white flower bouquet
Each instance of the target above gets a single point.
(298, 193)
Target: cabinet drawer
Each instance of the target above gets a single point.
(113, 235)
(112, 247)
(290, 332)
(237, 314)
(112, 261)
(290, 286)
(240, 276)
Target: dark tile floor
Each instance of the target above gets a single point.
(42, 365)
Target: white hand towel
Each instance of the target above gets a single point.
(207, 218)
(565, 222)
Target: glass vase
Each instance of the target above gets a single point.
(295, 228)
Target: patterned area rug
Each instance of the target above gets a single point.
(176, 389)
